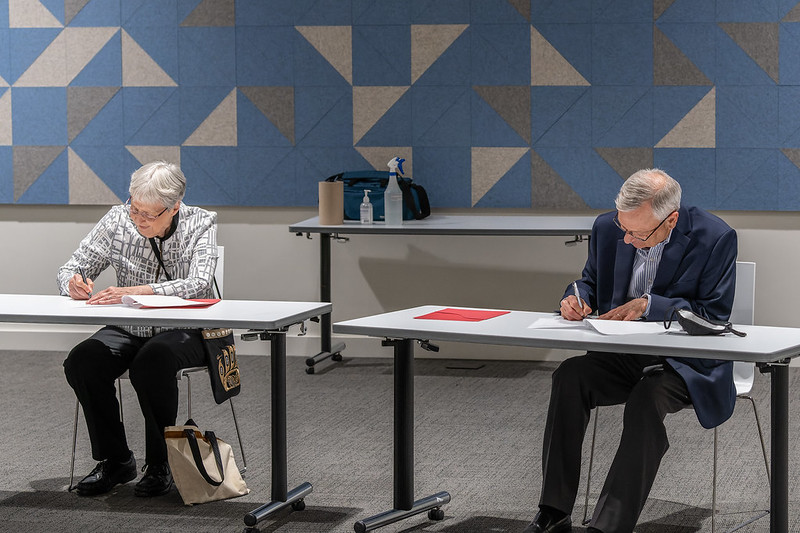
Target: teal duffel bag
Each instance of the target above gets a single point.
(415, 199)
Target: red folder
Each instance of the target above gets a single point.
(463, 315)
(207, 302)
(201, 303)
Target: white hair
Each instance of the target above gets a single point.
(650, 185)
(158, 182)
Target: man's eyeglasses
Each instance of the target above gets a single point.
(636, 234)
(133, 212)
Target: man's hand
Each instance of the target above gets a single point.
(571, 309)
(632, 310)
(113, 295)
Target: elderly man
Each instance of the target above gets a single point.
(648, 256)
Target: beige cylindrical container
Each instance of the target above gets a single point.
(331, 203)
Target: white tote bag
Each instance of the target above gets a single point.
(202, 465)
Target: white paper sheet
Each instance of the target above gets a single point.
(629, 327)
(158, 300)
(556, 322)
(605, 327)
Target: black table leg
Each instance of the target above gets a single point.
(779, 490)
(327, 350)
(281, 497)
(404, 504)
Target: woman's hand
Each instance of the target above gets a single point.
(78, 290)
(113, 295)
(632, 310)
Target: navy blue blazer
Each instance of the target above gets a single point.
(697, 271)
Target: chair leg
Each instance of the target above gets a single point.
(714, 487)
(188, 396)
(766, 464)
(233, 413)
(760, 436)
(74, 445)
(238, 436)
(586, 520)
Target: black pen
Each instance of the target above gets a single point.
(83, 276)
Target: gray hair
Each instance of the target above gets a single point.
(158, 182)
(650, 185)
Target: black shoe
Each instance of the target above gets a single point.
(593, 530)
(105, 476)
(545, 523)
(157, 480)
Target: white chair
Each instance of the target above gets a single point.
(182, 373)
(742, 312)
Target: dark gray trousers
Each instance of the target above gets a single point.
(596, 379)
(93, 366)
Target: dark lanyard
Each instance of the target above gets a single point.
(157, 252)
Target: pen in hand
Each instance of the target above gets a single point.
(83, 277)
(577, 295)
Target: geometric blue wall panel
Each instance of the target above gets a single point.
(258, 100)
(381, 55)
(500, 54)
(622, 54)
(699, 163)
(41, 115)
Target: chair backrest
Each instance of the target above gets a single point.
(743, 312)
(219, 273)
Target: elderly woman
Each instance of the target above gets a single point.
(156, 245)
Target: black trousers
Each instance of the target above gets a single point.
(93, 366)
(596, 379)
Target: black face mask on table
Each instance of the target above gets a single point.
(694, 324)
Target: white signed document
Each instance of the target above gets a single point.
(606, 327)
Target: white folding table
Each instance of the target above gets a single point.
(271, 318)
(575, 227)
(770, 348)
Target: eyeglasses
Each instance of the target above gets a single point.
(133, 212)
(635, 234)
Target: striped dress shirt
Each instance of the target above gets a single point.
(645, 266)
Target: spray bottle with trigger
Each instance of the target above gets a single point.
(393, 196)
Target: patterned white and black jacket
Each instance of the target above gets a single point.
(189, 256)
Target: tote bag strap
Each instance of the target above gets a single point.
(198, 460)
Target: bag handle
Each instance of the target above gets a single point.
(198, 460)
(408, 198)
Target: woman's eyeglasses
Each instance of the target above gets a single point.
(636, 234)
(133, 212)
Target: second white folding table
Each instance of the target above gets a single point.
(576, 227)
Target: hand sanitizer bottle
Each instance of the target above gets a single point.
(393, 197)
(366, 208)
